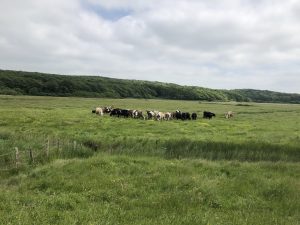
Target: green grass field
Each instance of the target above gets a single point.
(104, 170)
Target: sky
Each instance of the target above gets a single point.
(227, 44)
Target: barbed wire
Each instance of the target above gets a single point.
(5, 170)
(7, 153)
(23, 155)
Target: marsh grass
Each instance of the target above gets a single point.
(262, 132)
(112, 189)
(104, 170)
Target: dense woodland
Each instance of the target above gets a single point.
(41, 84)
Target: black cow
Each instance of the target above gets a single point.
(194, 116)
(185, 116)
(115, 112)
(178, 115)
(208, 115)
(125, 113)
(120, 112)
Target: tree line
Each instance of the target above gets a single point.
(42, 84)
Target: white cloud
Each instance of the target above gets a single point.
(228, 44)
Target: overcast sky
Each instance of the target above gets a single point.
(210, 43)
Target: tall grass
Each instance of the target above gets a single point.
(117, 189)
(103, 170)
(262, 132)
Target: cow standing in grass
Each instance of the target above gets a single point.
(150, 114)
(168, 116)
(107, 109)
(229, 114)
(132, 113)
(138, 114)
(208, 115)
(98, 111)
(160, 116)
(185, 116)
(115, 112)
(194, 116)
(178, 115)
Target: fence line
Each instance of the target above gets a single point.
(8, 153)
(6, 169)
(31, 156)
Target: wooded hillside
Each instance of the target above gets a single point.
(32, 83)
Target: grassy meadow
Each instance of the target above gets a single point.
(104, 170)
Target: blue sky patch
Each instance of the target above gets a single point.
(107, 14)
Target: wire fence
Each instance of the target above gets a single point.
(50, 148)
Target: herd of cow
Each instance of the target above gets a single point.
(156, 115)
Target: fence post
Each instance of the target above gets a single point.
(48, 147)
(17, 157)
(74, 145)
(31, 156)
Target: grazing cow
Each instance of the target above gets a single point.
(194, 116)
(160, 116)
(208, 115)
(131, 113)
(98, 111)
(125, 113)
(120, 112)
(229, 114)
(168, 116)
(156, 113)
(185, 116)
(139, 114)
(115, 112)
(107, 109)
(150, 114)
(173, 115)
(178, 115)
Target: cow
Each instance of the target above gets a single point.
(150, 114)
(168, 116)
(178, 115)
(125, 113)
(156, 113)
(98, 111)
(229, 114)
(185, 116)
(208, 115)
(173, 115)
(131, 113)
(115, 112)
(107, 109)
(139, 114)
(194, 116)
(160, 116)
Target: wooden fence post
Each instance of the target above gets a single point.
(58, 144)
(74, 145)
(31, 156)
(48, 147)
(17, 157)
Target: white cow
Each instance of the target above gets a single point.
(229, 114)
